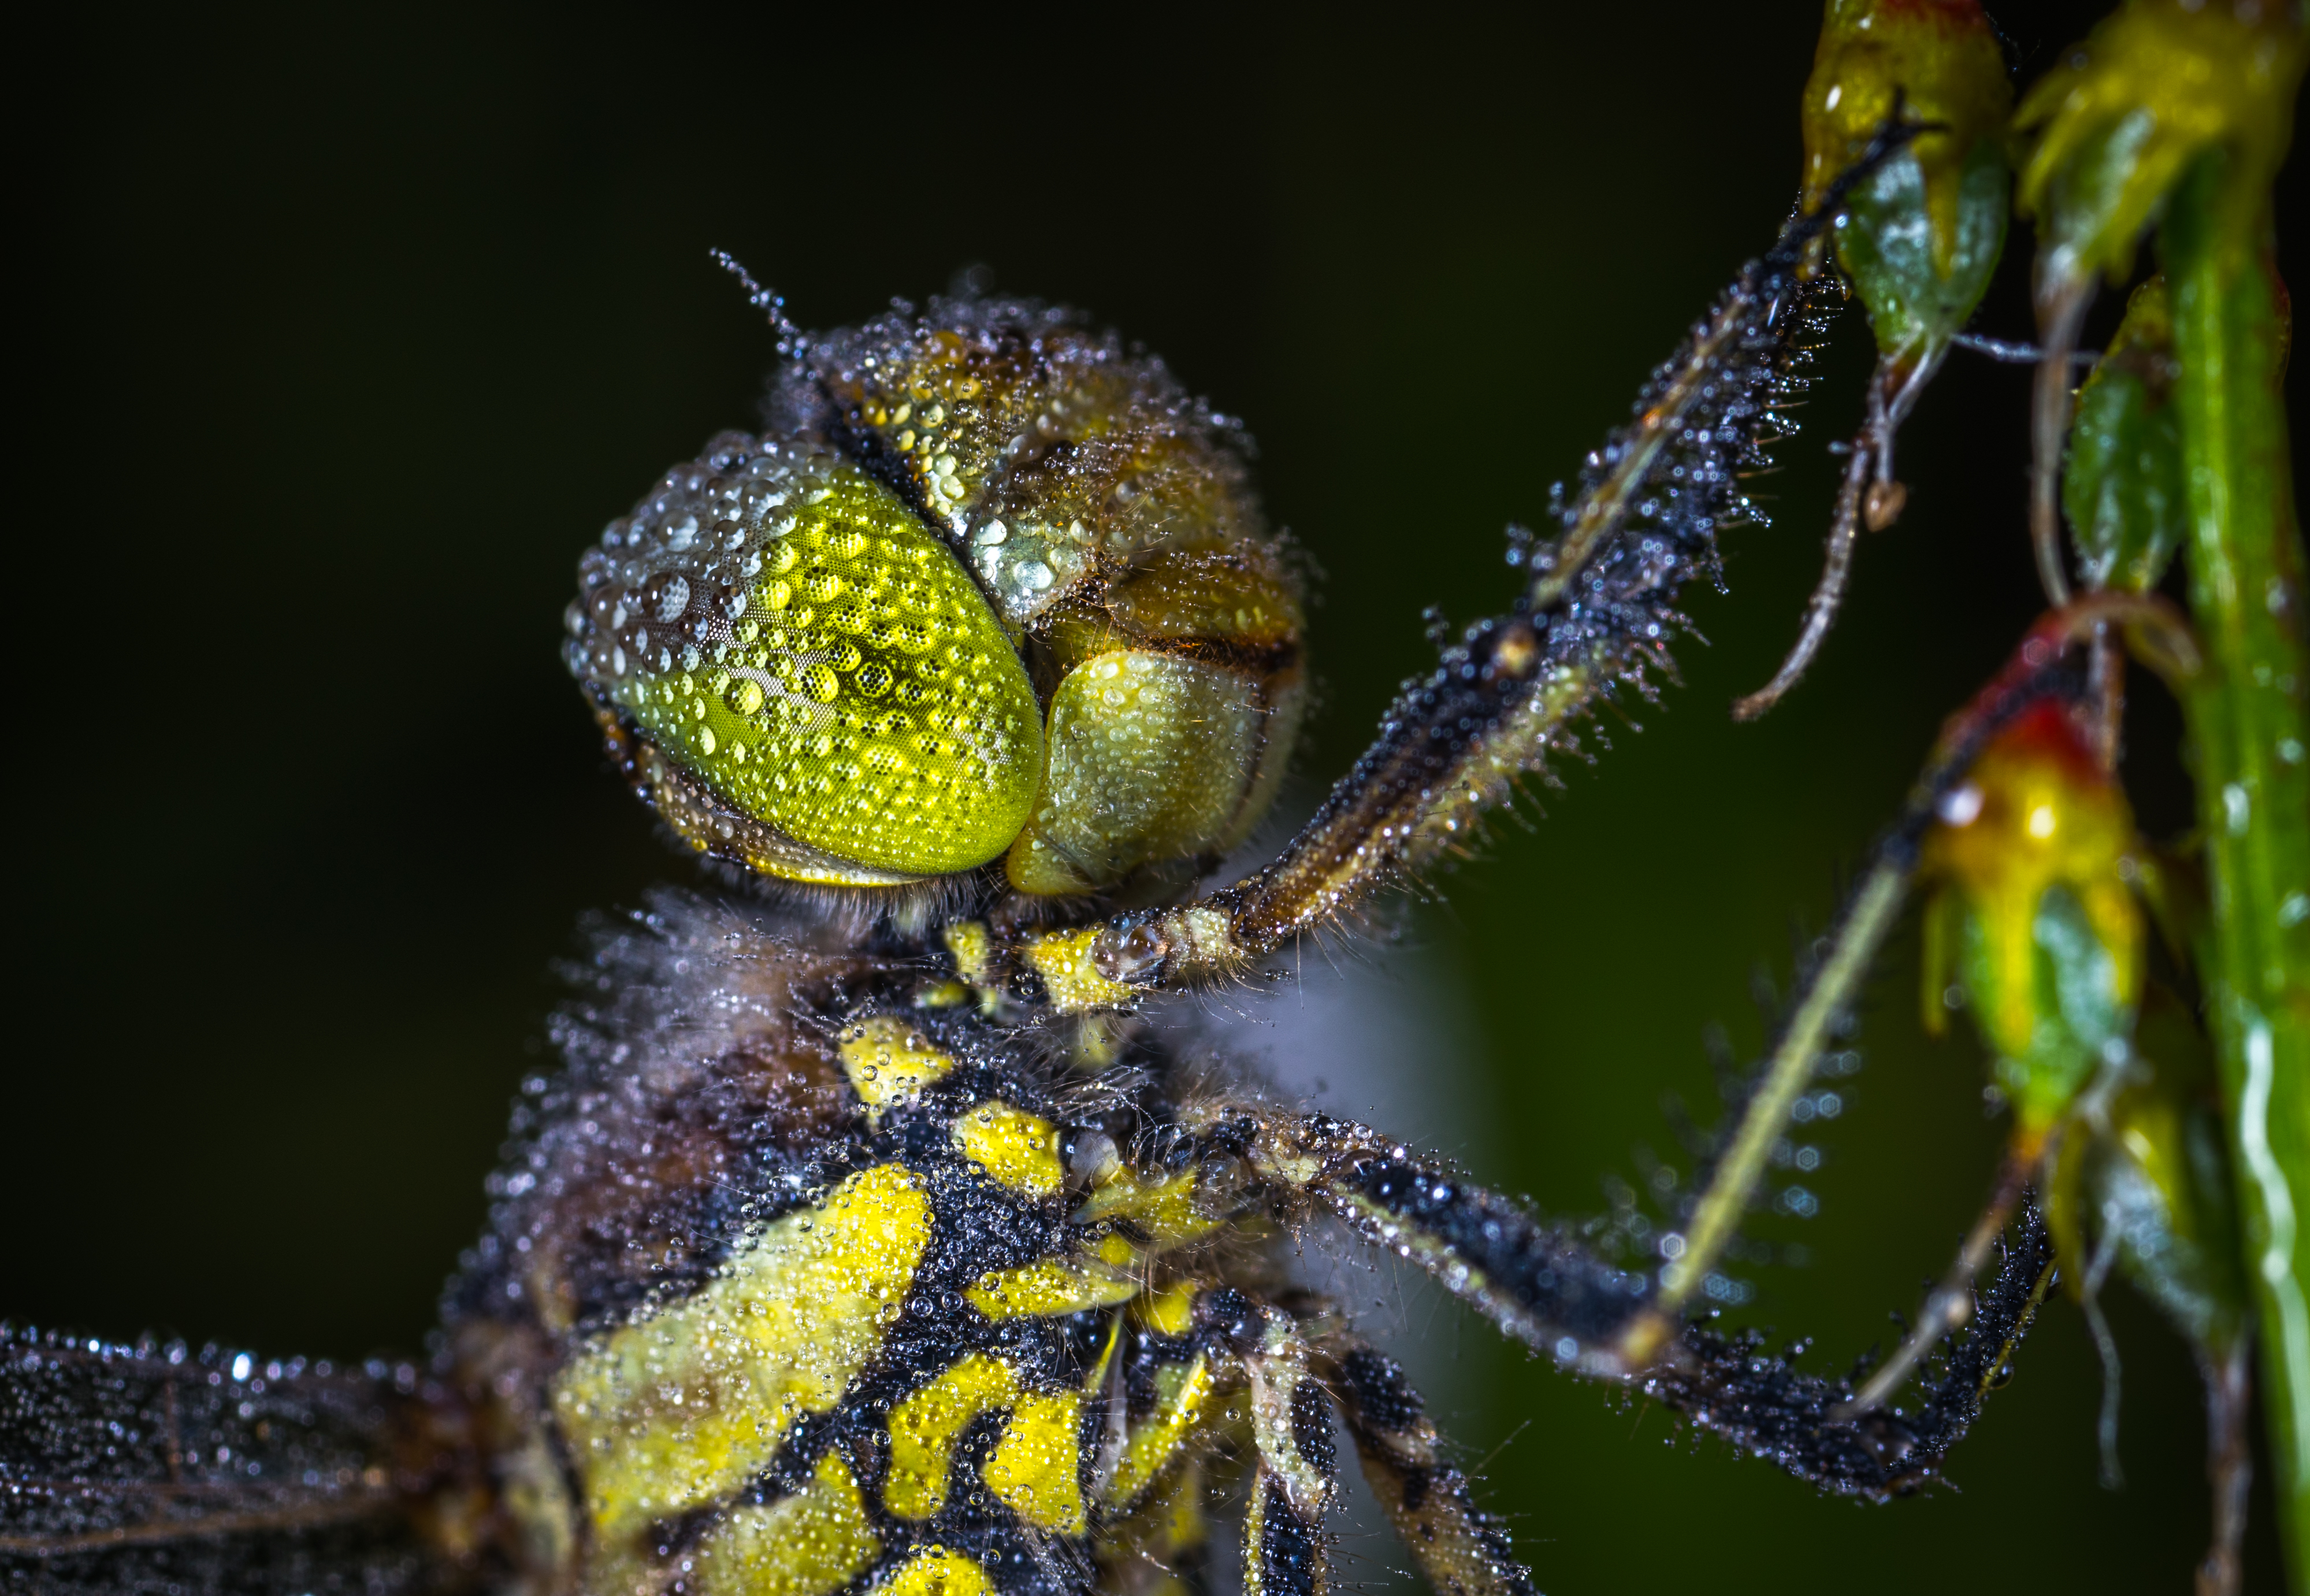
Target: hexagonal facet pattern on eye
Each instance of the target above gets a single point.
(823, 663)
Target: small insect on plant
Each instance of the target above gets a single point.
(868, 1240)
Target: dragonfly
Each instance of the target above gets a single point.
(865, 1237)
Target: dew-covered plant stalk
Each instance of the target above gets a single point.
(2179, 116)
(2249, 729)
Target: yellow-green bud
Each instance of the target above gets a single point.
(2153, 1168)
(1921, 236)
(2154, 87)
(2035, 915)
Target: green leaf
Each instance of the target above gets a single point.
(2122, 483)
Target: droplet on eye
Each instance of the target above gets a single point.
(885, 718)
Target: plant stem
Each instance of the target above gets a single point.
(1876, 906)
(2249, 727)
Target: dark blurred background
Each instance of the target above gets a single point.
(339, 332)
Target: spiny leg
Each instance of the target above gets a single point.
(1536, 1282)
(1541, 1285)
(1195, 1353)
(1593, 620)
(1950, 1302)
(1459, 1549)
(1294, 1385)
(1285, 1549)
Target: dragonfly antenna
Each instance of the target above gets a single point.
(769, 302)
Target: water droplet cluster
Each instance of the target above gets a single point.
(128, 1460)
(1047, 452)
(808, 645)
(784, 629)
(1705, 419)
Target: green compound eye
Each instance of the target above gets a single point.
(792, 638)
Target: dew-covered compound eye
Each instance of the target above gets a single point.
(992, 589)
(818, 688)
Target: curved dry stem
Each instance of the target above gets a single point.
(2113, 1368)
(2157, 633)
(1820, 610)
(2105, 696)
(2229, 1464)
(1871, 495)
(2061, 312)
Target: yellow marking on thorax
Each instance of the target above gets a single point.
(973, 947)
(1181, 1390)
(1050, 1286)
(1105, 1354)
(1017, 1149)
(1166, 1209)
(1168, 1312)
(890, 1061)
(1156, 1536)
(923, 1429)
(975, 968)
(809, 1544)
(935, 1571)
(1073, 980)
(1182, 1507)
(941, 994)
(688, 1403)
(1097, 1043)
(1034, 1470)
(1161, 1530)
(1035, 1467)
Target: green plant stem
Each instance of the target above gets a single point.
(1875, 908)
(2249, 730)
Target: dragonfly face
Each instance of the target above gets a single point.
(995, 590)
